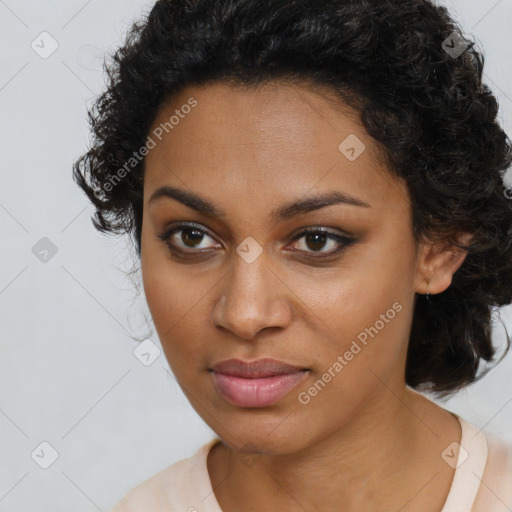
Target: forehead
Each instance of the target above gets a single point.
(276, 142)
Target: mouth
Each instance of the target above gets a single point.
(258, 383)
(259, 368)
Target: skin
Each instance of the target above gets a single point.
(366, 440)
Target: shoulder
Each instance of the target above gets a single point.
(495, 492)
(177, 487)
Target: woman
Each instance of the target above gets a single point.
(315, 190)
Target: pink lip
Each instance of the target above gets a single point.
(264, 367)
(258, 383)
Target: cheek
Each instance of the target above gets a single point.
(176, 299)
(354, 295)
(167, 286)
(367, 329)
(368, 349)
(363, 315)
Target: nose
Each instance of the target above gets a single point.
(252, 298)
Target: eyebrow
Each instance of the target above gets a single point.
(281, 213)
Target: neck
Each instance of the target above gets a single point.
(396, 438)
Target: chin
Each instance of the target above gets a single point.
(269, 441)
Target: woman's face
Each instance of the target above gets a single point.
(253, 286)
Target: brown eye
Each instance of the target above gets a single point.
(191, 237)
(186, 239)
(189, 240)
(317, 239)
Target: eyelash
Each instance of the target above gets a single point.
(344, 241)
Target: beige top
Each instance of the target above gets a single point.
(482, 481)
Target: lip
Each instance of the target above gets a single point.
(257, 383)
(265, 367)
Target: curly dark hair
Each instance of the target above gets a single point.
(427, 108)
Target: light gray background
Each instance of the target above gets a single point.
(68, 373)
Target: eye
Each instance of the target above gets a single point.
(185, 238)
(318, 238)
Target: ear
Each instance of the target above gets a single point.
(437, 262)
